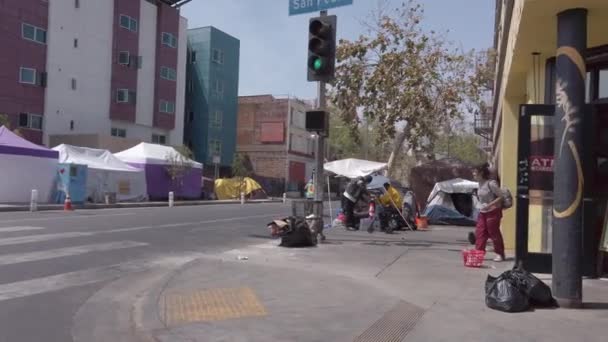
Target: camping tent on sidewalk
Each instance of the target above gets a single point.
(105, 174)
(157, 161)
(453, 202)
(25, 166)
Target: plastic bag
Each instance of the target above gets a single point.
(503, 294)
(539, 292)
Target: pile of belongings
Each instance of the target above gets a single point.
(293, 231)
(517, 290)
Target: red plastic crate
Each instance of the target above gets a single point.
(473, 257)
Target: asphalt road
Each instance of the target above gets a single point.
(52, 262)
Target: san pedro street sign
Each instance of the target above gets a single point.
(306, 6)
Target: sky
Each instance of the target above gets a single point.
(274, 45)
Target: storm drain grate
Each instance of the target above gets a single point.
(394, 325)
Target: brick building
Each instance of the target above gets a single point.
(270, 130)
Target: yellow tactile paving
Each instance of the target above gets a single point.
(212, 305)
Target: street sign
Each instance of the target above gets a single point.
(216, 159)
(306, 6)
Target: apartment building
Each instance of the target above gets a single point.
(212, 97)
(106, 74)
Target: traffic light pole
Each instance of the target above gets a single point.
(319, 159)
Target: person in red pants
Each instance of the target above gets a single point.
(488, 222)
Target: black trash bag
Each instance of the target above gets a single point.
(299, 234)
(503, 295)
(538, 292)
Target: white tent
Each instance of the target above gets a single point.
(25, 166)
(146, 153)
(442, 191)
(353, 168)
(106, 173)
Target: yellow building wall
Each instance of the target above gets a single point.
(508, 163)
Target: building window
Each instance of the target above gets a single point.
(169, 40)
(193, 56)
(215, 147)
(75, 42)
(219, 89)
(27, 75)
(73, 84)
(33, 33)
(167, 107)
(168, 73)
(31, 121)
(217, 119)
(118, 132)
(603, 84)
(128, 23)
(217, 56)
(159, 139)
(76, 3)
(123, 95)
(124, 57)
(191, 116)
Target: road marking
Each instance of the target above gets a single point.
(89, 276)
(57, 217)
(19, 229)
(67, 235)
(10, 259)
(40, 238)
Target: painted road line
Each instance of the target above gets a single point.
(9, 259)
(40, 238)
(19, 229)
(89, 276)
(62, 217)
(68, 235)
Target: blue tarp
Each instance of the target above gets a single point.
(438, 214)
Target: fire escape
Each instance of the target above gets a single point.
(483, 127)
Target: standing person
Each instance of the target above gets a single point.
(356, 190)
(488, 222)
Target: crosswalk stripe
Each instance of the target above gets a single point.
(89, 276)
(39, 238)
(10, 259)
(19, 229)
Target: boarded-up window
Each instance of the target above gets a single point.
(272, 132)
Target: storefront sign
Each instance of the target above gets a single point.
(541, 163)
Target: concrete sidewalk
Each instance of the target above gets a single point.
(357, 287)
(48, 207)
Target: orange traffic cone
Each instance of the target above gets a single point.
(67, 205)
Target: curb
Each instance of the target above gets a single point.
(57, 207)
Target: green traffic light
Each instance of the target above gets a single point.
(317, 64)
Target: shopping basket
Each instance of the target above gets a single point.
(473, 257)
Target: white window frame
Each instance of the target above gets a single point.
(30, 117)
(133, 24)
(171, 40)
(125, 92)
(167, 107)
(156, 139)
(212, 146)
(35, 72)
(37, 31)
(121, 53)
(168, 74)
(217, 118)
(220, 56)
(116, 132)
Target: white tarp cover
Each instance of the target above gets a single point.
(146, 153)
(106, 173)
(25, 166)
(353, 168)
(441, 190)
